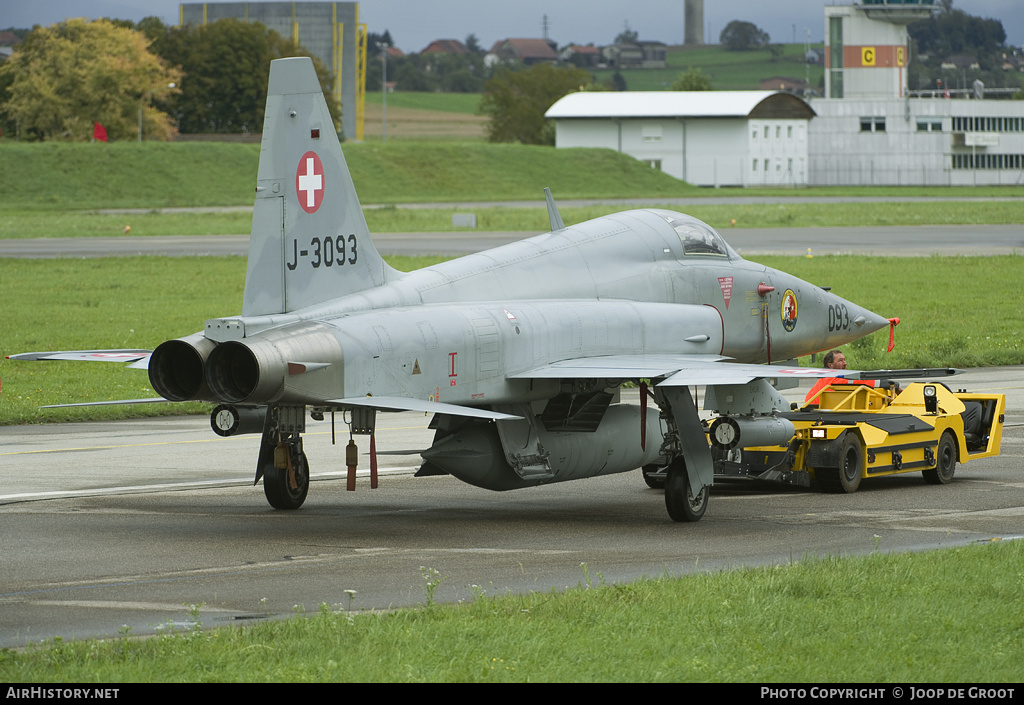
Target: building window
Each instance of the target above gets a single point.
(766, 132)
(653, 163)
(835, 47)
(778, 131)
(872, 124)
(977, 124)
(650, 133)
(755, 165)
(789, 132)
(988, 161)
(929, 124)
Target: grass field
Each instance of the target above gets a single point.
(52, 176)
(728, 70)
(420, 124)
(37, 224)
(949, 616)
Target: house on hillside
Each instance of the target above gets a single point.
(960, 61)
(784, 83)
(636, 55)
(446, 46)
(528, 51)
(707, 138)
(584, 57)
(8, 40)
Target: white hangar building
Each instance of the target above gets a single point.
(869, 129)
(707, 138)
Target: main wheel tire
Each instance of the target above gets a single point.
(945, 462)
(278, 489)
(679, 499)
(653, 480)
(846, 478)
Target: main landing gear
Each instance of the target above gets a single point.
(282, 464)
(286, 488)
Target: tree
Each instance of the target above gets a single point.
(226, 66)
(692, 80)
(617, 82)
(517, 100)
(954, 32)
(627, 35)
(65, 77)
(743, 36)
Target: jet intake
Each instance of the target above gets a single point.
(176, 368)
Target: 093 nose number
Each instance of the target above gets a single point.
(326, 252)
(838, 317)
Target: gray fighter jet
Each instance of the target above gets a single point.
(519, 351)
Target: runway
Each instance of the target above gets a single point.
(902, 241)
(123, 526)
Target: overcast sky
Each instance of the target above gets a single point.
(415, 23)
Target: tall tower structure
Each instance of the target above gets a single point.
(866, 47)
(693, 27)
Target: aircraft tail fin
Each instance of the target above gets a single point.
(309, 240)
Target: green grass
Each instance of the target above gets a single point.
(140, 302)
(34, 223)
(949, 616)
(62, 176)
(465, 103)
(55, 176)
(789, 215)
(48, 179)
(728, 70)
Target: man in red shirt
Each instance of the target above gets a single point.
(835, 360)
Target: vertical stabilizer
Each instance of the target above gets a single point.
(309, 240)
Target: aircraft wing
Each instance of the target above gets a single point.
(430, 407)
(148, 400)
(139, 359)
(678, 370)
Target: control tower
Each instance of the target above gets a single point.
(866, 47)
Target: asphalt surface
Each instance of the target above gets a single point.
(105, 526)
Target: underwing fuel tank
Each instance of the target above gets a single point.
(728, 432)
(478, 455)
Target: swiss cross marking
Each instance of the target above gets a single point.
(309, 182)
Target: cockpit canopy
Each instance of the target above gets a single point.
(697, 237)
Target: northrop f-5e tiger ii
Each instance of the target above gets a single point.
(518, 352)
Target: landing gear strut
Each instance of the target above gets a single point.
(282, 464)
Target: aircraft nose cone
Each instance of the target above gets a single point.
(847, 321)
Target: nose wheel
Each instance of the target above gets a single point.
(680, 501)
